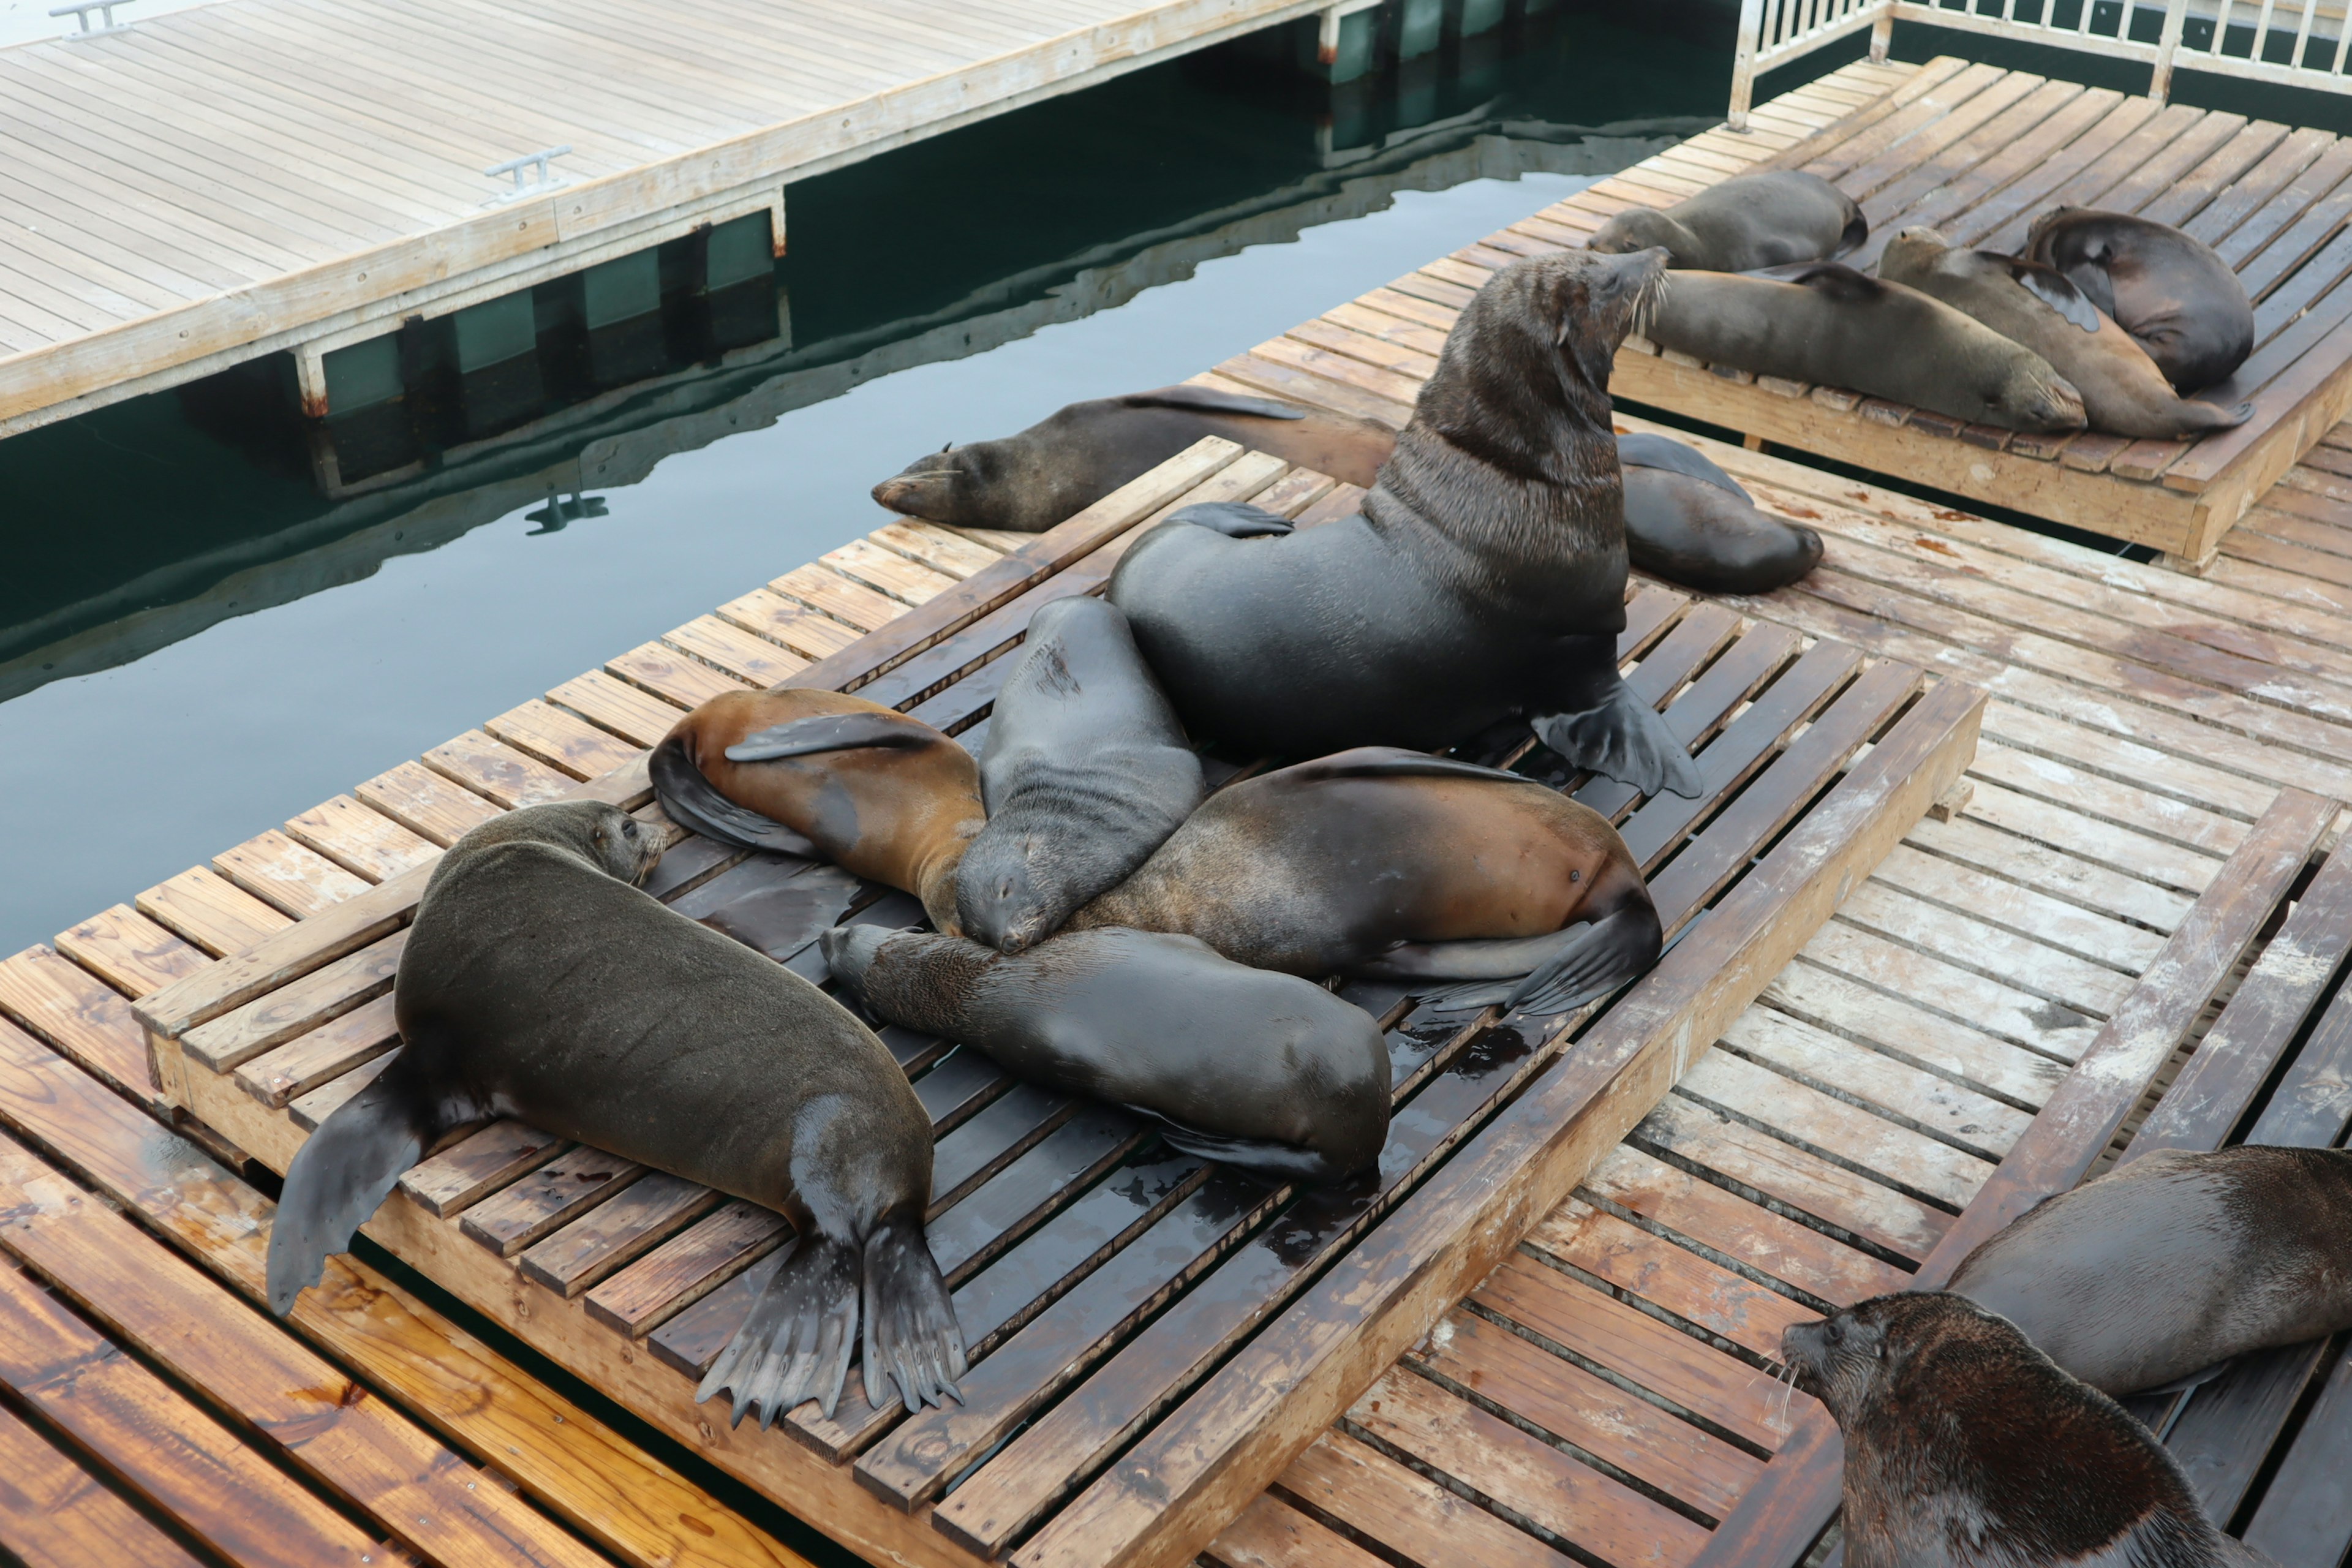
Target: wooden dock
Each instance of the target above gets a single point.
(208, 186)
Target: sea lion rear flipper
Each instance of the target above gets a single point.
(830, 732)
(2192, 1380)
(1643, 451)
(795, 1343)
(349, 1166)
(1209, 400)
(694, 805)
(1235, 520)
(1588, 960)
(2052, 288)
(1626, 740)
(1857, 231)
(1281, 1162)
(911, 1333)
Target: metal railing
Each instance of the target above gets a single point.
(2292, 43)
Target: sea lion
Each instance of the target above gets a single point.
(1690, 522)
(1828, 325)
(1265, 1070)
(2172, 1264)
(2124, 392)
(1484, 578)
(2165, 289)
(1394, 865)
(837, 778)
(1085, 772)
(1748, 221)
(541, 983)
(1064, 463)
(1966, 1447)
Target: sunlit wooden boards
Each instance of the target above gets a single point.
(1154, 1337)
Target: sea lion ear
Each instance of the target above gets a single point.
(2053, 288)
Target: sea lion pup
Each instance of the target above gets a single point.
(1484, 578)
(1265, 1070)
(1690, 522)
(1394, 865)
(2170, 1265)
(883, 797)
(1966, 1447)
(2165, 289)
(2124, 392)
(1064, 463)
(1748, 221)
(539, 983)
(1085, 772)
(1829, 324)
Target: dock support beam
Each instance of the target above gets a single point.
(310, 378)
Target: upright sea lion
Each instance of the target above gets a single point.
(539, 983)
(1067, 462)
(1485, 578)
(1748, 221)
(1265, 1070)
(1690, 522)
(812, 772)
(2174, 1263)
(1395, 864)
(2124, 392)
(1831, 325)
(1966, 1447)
(1085, 772)
(2165, 289)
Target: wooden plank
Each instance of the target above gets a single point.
(568, 743)
(737, 652)
(1642, 1263)
(422, 801)
(69, 1008)
(202, 906)
(686, 1268)
(551, 1196)
(52, 1511)
(289, 876)
(1414, 1517)
(129, 952)
(325, 1053)
(499, 773)
(1973, 1122)
(637, 716)
(366, 843)
(616, 1232)
(679, 681)
(2307, 1513)
(477, 1165)
(317, 998)
(1270, 1533)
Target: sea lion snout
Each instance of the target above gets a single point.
(849, 950)
(927, 494)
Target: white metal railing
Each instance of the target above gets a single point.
(2294, 43)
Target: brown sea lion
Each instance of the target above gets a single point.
(1265, 1070)
(2124, 392)
(2165, 289)
(1832, 326)
(1747, 221)
(1966, 1447)
(1483, 579)
(539, 983)
(1395, 864)
(2170, 1265)
(883, 797)
(1067, 462)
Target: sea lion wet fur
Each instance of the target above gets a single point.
(1966, 1447)
(539, 983)
(1832, 326)
(1263, 1071)
(1085, 772)
(2124, 392)
(1484, 578)
(2169, 289)
(1690, 522)
(2175, 1262)
(1770, 219)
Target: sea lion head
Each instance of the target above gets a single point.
(604, 835)
(2036, 397)
(849, 952)
(947, 486)
(1912, 253)
(1641, 228)
(1020, 880)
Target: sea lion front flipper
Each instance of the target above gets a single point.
(795, 1343)
(832, 732)
(1626, 740)
(1586, 960)
(2052, 288)
(1235, 520)
(695, 805)
(911, 1333)
(1280, 1161)
(1644, 451)
(1209, 400)
(338, 1178)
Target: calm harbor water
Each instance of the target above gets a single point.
(198, 641)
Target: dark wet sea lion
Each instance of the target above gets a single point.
(2174, 1263)
(1832, 326)
(1690, 522)
(2165, 289)
(539, 983)
(1966, 1447)
(1064, 463)
(1265, 1070)
(1485, 578)
(2124, 392)
(819, 773)
(1394, 865)
(1085, 772)
(1747, 221)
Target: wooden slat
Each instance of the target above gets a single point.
(52, 1511)
(424, 802)
(205, 908)
(129, 952)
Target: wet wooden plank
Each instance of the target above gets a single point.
(2305, 1515)
(74, 1012)
(469, 1171)
(54, 1511)
(616, 1232)
(552, 1195)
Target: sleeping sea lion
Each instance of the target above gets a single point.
(1485, 578)
(837, 778)
(539, 983)
(2124, 392)
(1748, 221)
(1966, 1447)
(1831, 325)
(2165, 289)
(1085, 772)
(2172, 1264)
(1394, 865)
(1067, 462)
(1690, 522)
(1265, 1070)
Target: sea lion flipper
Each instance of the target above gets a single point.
(830, 732)
(1235, 520)
(1626, 740)
(338, 1178)
(911, 1333)
(1209, 400)
(1583, 961)
(1394, 763)
(694, 805)
(1645, 451)
(1282, 1162)
(2052, 288)
(795, 1344)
